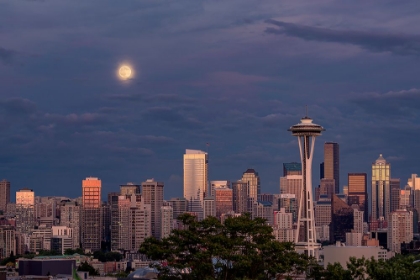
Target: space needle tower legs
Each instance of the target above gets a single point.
(305, 242)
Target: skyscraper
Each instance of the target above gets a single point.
(4, 195)
(91, 214)
(223, 200)
(292, 168)
(129, 189)
(292, 184)
(357, 192)
(195, 174)
(381, 173)
(342, 219)
(332, 163)
(240, 196)
(251, 177)
(25, 210)
(152, 193)
(166, 220)
(395, 188)
(327, 187)
(306, 131)
(70, 217)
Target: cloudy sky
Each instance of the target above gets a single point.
(236, 74)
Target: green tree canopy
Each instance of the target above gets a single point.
(241, 248)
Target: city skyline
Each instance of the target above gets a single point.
(234, 79)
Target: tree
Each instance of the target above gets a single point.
(74, 251)
(241, 248)
(85, 266)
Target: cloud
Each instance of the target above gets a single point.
(6, 55)
(172, 117)
(401, 103)
(18, 106)
(400, 44)
(229, 78)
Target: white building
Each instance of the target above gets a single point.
(283, 226)
(209, 207)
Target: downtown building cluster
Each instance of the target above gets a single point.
(383, 220)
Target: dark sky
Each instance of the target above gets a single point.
(236, 74)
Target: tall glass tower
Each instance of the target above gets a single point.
(381, 201)
(305, 239)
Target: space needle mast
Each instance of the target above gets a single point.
(305, 238)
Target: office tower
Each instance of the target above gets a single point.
(400, 229)
(70, 216)
(46, 210)
(25, 211)
(152, 193)
(405, 198)
(4, 195)
(321, 171)
(323, 212)
(265, 197)
(216, 184)
(240, 196)
(91, 228)
(251, 177)
(306, 131)
(129, 189)
(209, 208)
(7, 241)
(167, 218)
(106, 225)
(341, 219)
(292, 168)
(380, 189)
(263, 209)
(179, 206)
(195, 174)
(327, 187)
(288, 202)
(196, 208)
(394, 185)
(224, 200)
(291, 184)
(61, 239)
(357, 192)
(283, 226)
(332, 163)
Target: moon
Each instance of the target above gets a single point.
(125, 72)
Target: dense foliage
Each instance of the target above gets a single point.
(85, 266)
(241, 248)
(108, 256)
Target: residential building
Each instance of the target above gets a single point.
(209, 208)
(25, 211)
(400, 229)
(166, 220)
(240, 196)
(70, 216)
(91, 225)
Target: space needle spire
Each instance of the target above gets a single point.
(305, 238)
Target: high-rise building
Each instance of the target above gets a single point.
(179, 206)
(292, 184)
(4, 195)
(224, 200)
(195, 174)
(129, 189)
(381, 173)
(342, 219)
(61, 239)
(209, 208)
(240, 196)
(332, 163)
(25, 211)
(323, 212)
(400, 229)
(217, 184)
(283, 226)
(327, 187)
(394, 185)
(7, 241)
(306, 132)
(251, 177)
(263, 209)
(288, 202)
(152, 193)
(292, 168)
(357, 192)
(70, 216)
(166, 220)
(91, 228)
(414, 184)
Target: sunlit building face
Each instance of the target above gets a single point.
(25, 198)
(195, 174)
(91, 188)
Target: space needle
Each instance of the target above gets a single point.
(305, 242)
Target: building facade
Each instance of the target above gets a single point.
(152, 193)
(91, 228)
(400, 229)
(332, 163)
(357, 192)
(4, 195)
(195, 174)
(381, 200)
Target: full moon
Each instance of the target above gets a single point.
(124, 72)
